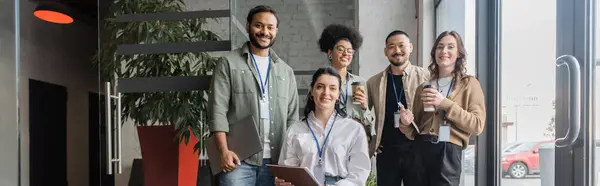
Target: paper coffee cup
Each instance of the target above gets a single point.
(429, 108)
(356, 86)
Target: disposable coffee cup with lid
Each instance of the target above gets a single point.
(429, 108)
(357, 85)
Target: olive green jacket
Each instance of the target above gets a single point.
(236, 93)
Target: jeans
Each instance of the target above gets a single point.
(248, 175)
(331, 180)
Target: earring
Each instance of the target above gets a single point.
(329, 57)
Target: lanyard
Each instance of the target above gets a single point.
(321, 148)
(345, 97)
(395, 92)
(262, 84)
(447, 95)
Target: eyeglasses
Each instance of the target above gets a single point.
(341, 49)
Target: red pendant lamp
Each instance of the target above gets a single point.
(53, 12)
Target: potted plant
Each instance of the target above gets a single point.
(168, 122)
(372, 180)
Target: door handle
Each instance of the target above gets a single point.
(574, 100)
(119, 126)
(114, 156)
(109, 148)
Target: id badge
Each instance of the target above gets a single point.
(444, 134)
(396, 119)
(264, 109)
(319, 174)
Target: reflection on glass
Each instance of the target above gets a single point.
(9, 60)
(597, 98)
(528, 42)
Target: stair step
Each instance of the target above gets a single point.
(170, 16)
(163, 84)
(201, 46)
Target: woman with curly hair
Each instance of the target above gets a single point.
(447, 110)
(340, 42)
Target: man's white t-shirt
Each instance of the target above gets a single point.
(263, 65)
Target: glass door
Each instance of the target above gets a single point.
(546, 77)
(10, 166)
(528, 83)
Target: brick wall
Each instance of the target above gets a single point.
(301, 24)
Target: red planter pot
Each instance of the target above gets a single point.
(165, 161)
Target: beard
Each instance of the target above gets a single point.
(253, 39)
(398, 63)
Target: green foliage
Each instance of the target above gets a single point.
(550, 129)
(184, 110)
(371, 181)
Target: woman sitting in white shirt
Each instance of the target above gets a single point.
(333, 147)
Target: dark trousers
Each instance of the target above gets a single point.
(393, 167)
(437, 164)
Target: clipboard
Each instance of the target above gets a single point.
(243, 139)
(298, 176)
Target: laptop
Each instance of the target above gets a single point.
(243, 139)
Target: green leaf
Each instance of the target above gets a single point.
(184, 110)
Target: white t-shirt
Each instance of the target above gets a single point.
(263, 65)
(444, 85)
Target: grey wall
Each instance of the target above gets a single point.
(426, 29)
(376, 19)
(8, 96)
(60, 55)
(460, 17)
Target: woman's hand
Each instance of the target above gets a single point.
(432, 97)
(281, 182)
(360, 96)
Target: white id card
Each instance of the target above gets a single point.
(444, 134)
(396, 119)
(319, 174)
(264, 109)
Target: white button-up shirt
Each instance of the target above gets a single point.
(345, 154)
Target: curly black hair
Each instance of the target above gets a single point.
(336, 32)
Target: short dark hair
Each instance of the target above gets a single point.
(394, 33)
(260, 9)
(336, 32)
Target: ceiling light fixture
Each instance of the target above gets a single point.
(53, 12)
